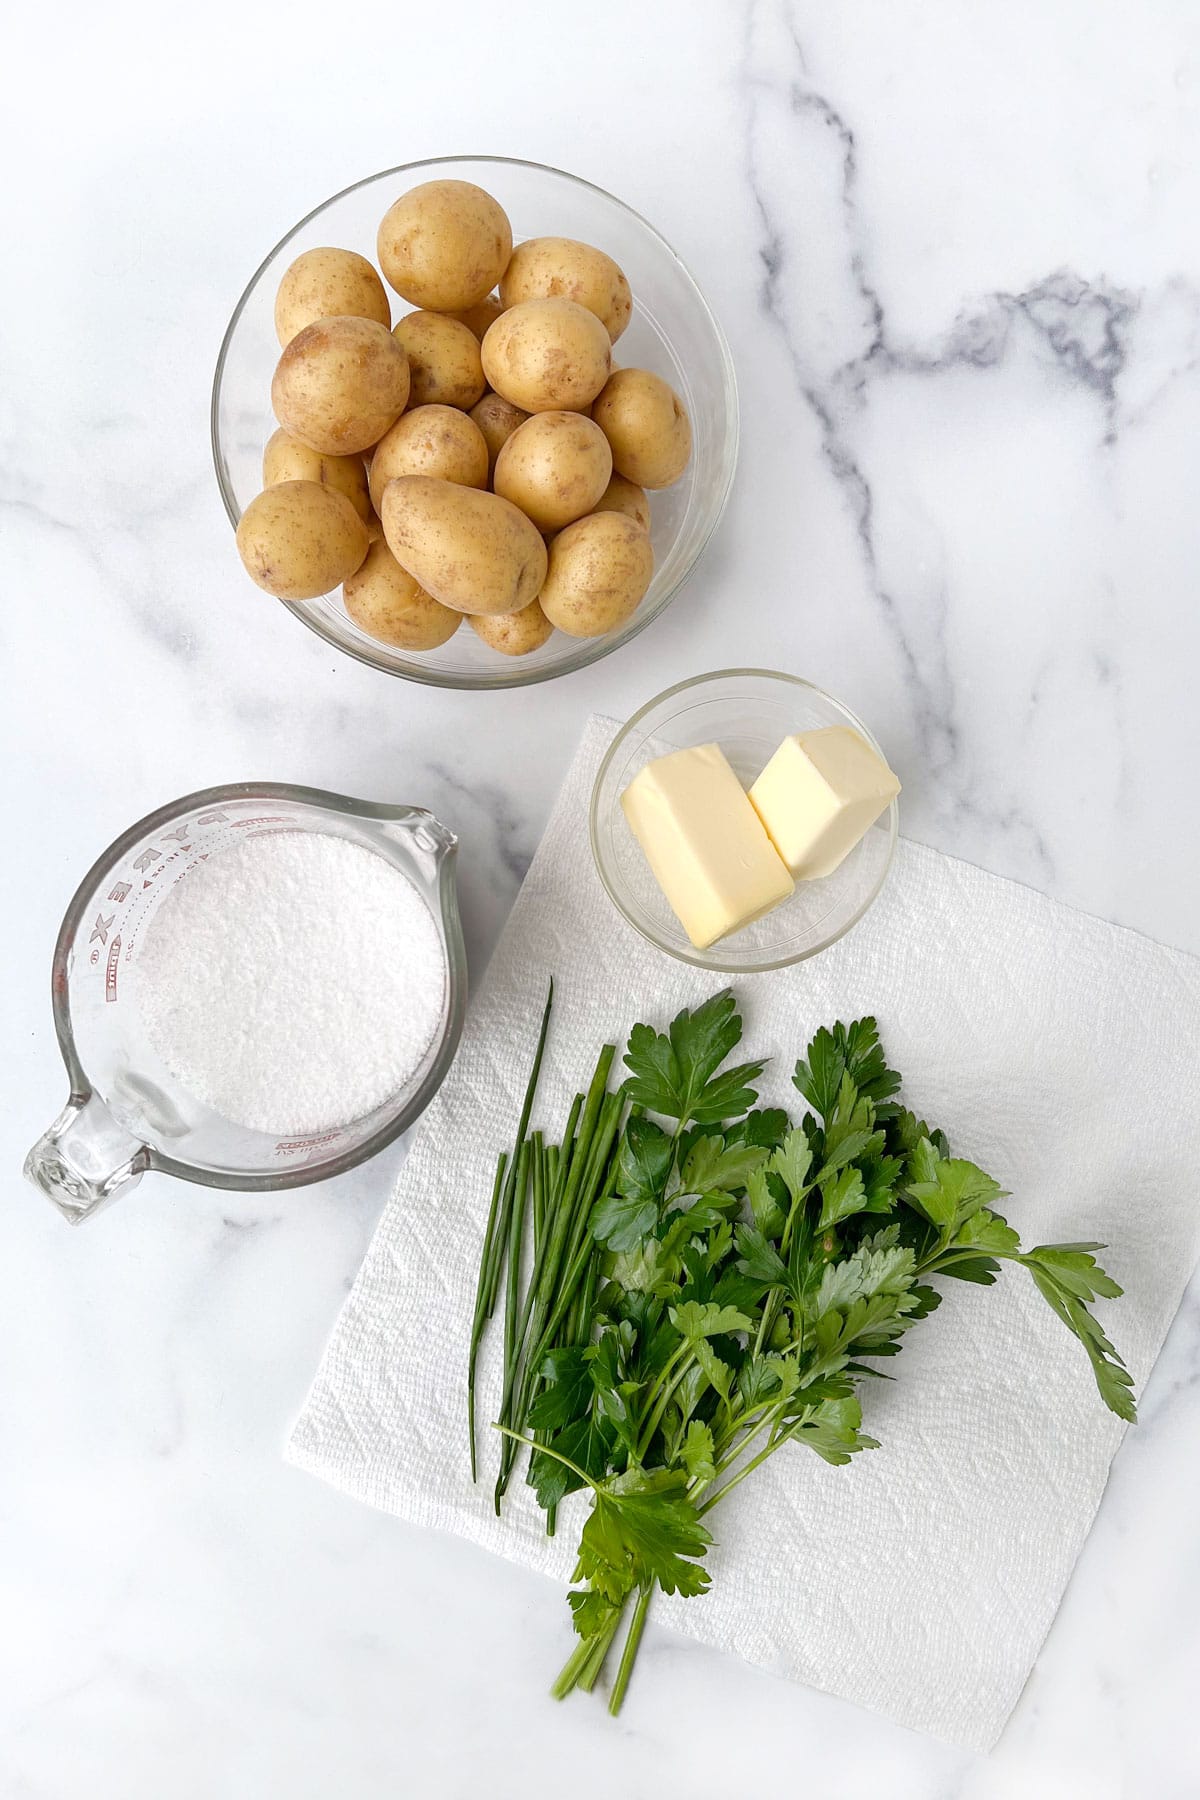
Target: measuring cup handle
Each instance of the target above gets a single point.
(85, 1159)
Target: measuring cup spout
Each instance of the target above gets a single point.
(85, 1159)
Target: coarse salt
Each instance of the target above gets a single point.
(292, 983)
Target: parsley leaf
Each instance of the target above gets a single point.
(623, 1219)
(1068, 1276)
(758, 1259)
(792, 1162)
(568, 1392)
(676, 1075)
(694, 1321)
(819, 1076)
(765, 1208)
(712, 1163)
(864, 1059)
(832, 1429)
(697, 1452)
(841, 1196)
(766, 1128)
(643, 1529)
(587, 1442)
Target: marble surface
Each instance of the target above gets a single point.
(954, 251)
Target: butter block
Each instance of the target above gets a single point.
(702, 838)
(819, 795)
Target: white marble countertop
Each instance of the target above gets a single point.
(954, 250)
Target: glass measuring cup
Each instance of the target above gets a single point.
(127, 1112)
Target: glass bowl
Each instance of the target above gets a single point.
(127, 1113)
(748, 712)
(672, 332)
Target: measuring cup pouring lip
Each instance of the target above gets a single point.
(432, 867)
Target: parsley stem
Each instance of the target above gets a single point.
(629, 1653)
(572, 1669)
(585, 1662)
(665, 1374)
(652, 1421)
(518, 1437)
(768, 1449)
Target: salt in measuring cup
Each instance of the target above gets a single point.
(127, 1113)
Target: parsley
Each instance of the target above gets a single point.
(676, 1075)
(708, 1282)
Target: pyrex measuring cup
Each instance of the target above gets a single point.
(127, 1113)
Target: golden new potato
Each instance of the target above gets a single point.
(340, 384)
(625, 497)
(473, 551)
(285, 458)
(554, 467)
(497, 418)
(326, 284)
(430, 440)
(478, 318)
(599, 569)
(299, 539)
(444, 245)
(514, 634)
(547, 355)
(556, 267)
(389, 604)
(443, 360)
(647, 425)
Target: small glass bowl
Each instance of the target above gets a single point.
(672, 332)
(748, 712)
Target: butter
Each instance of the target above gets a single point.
(819, 795)
(706, 848)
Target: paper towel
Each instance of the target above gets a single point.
(1057, 1051)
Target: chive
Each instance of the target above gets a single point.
(579, 1248)
(520, 1373)
(497, 1230)
(481, 1303)
(539, 1185)
(512, 1295)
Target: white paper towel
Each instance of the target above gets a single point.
(1057, 1051)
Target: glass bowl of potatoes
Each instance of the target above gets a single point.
(604, 402)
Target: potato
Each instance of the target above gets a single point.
(599, 569)
(325, 284)
(547, 355)
(387, 602)
(443, 360)
(478, 318)
(497, 418)
(554, 467)
(625, 497)
(287, 459)
(299, 539)
(647, 425)
(514, 634)
(430, 440)
(472, 551)
(548, 267)
(444, 245)
(340, 384)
